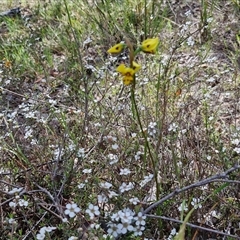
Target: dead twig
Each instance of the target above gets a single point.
(214, 178)
(193, 226)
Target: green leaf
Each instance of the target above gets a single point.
(181, 233)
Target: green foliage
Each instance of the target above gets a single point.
(181, 234)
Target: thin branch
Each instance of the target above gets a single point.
(214, 178)
(28, 169)
(228, 181)
(192, 225)
(46, 191)
(55, 202)
(49, 210)
(38, 222)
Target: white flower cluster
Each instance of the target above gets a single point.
(17, 201)
(72, 209)
(138, 155)
(236, 143)
(183, 207)
(146, 180)
(172, 234)
(93, 211)
(196, 203)
(42, 232)
(173, 127)
(113, 158)
(208, 218)
(152, 129)
(126, 220)
(126, 187)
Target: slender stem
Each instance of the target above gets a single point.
(145, 19)
(191, 225)
(203, 182)
(85, 80)
(136, 112)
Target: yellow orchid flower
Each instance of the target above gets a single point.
(121, 68)
(128, 73)
(135, 67)
(150, 45)
(127, 80)
(116, 48)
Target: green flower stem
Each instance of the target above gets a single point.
(145, 19)
(138, 50)
(136, 114)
